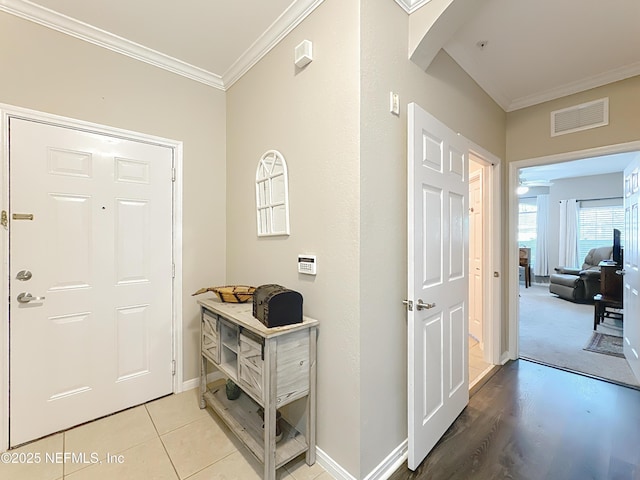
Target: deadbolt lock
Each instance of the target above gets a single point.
(23, 275)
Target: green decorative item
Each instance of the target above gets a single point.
(233, 390)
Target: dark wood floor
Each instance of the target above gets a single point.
(530, 421)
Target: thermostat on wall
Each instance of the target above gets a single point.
(307, 264)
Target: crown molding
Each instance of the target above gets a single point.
(411, 6)
(83, 31)
(294, 14)
(588, 83)
(285, 23)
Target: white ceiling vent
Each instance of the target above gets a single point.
(580, 117)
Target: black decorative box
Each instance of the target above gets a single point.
(276, 306)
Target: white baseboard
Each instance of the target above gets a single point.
(390, 464)
(331, 466)
(383, 471)
(195, 382)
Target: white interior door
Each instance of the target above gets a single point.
(91, 222)
(631, 279)
(438, 379)
(476, 255)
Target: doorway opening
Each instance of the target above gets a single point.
(552, 319)
(483, 262)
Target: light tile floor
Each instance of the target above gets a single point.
(170, 438)
(477, 365)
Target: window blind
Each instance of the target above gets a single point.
(596, 226)
(527, 225)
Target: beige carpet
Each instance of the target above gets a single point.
(555, 331)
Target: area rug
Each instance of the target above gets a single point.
(605, 344)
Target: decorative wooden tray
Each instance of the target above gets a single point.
(231, 293)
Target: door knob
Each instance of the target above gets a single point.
(620, 272)
(26, 297)
(424, 306)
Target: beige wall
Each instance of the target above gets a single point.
(312, 117)
(449, 94)
(347, 164)
(528, 135)
(347, 171)
(47, 71)
(528, 129)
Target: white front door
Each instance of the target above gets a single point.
(90, 243)
(438, 380)
(631, 260)
(476, 255)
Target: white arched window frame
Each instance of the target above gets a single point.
(272, 195)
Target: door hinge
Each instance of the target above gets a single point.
(173, 270)
(4, 219)
(173, 367)
(409, 304)
(173, 174)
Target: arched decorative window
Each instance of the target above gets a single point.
(272, 197)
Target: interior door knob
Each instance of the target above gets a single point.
(26, 297)
(424, 306)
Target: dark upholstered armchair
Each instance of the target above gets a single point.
(580, 284)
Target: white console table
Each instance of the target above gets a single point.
(272, 366)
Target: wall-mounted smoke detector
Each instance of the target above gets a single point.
(580, 117)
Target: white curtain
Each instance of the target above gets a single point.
(541, 267)
(568, 248)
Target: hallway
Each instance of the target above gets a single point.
(532, 422)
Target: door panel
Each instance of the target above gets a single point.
(631, 260)
(432, 237)
(100, 251)
(476, 249)
(437, 279)
(432, 366)
(132, 345)
(457, 244)
(131, 239)
(458, 367)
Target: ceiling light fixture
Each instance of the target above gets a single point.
(522, 188)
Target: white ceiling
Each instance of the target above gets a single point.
(211, 41)
(535, 50)
(521, 52)
(209, 34)
(544, 49)
(577, 168)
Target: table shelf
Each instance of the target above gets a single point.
(242, 418)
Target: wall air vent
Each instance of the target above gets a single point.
(580, 117)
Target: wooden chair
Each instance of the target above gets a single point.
(525, 261)
(606, 307)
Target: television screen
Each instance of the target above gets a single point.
(617, 248)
